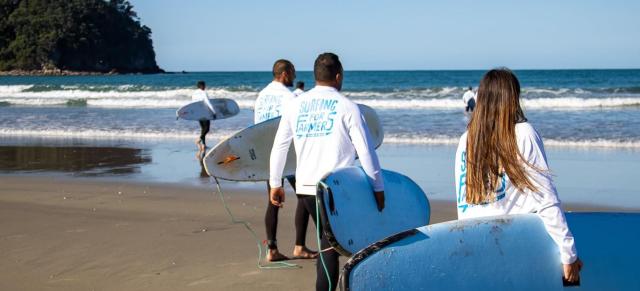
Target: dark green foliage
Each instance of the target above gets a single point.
(74, 35)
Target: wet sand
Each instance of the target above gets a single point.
(121, 215)
(85, 234)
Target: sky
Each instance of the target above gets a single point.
(243, 35)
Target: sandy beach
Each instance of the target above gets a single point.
(85, 234)
(123, 215)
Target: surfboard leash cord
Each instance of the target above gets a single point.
(270, 265)
(324, 266)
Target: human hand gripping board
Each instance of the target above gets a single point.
(244, 156)
(349, 212)
(197, 110)
(512, 252)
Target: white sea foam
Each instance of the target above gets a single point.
(447, 140)
(575, 102)
(125, 99)
(128, 96)
(539, 103)
(221, 134)
(11, 89)
(110, 135)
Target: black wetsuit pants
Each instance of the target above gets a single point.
(271, 216)
(204, 129)
(471, 105)
(329, 255)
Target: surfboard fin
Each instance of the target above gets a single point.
(228, 159)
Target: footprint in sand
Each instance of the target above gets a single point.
(253, 273)
(200, 282)
(76, 230)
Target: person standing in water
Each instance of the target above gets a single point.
(321, 149)
(299, 88)
(501, 166)
(269, 105)
(205, 124)
(469, 99)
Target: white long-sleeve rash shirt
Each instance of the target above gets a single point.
(201, 95)
(328, 131)
(270, 101)
(509, 200)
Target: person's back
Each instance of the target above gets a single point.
(205, 124)
(469, 100)
(328, 131)
(501, 166)
(270, 99)
(324, 124)
(508, 198)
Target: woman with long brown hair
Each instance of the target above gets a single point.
(501, 166)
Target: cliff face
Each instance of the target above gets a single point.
(74, 35)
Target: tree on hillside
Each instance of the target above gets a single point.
(76, 35)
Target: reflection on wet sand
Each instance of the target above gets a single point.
(84, 161)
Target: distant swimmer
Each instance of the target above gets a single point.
(299, 88)
(469, 99)
(269, 105)
(205, 124)
(501, 167)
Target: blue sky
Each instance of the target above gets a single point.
(242, 35)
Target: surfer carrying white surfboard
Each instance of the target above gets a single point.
(328, 131)
(205, 124)
(501, 166)
(269, 105)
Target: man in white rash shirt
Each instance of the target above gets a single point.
(299, 88)
(205, 124)
(469, 99)
(328, 131)
(269, 105)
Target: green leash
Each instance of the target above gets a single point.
(320, 250)
(272, 265)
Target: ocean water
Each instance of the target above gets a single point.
(570, 108)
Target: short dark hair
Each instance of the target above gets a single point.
(326, 67)
(200, 85)
(300, 85)
(281, 66)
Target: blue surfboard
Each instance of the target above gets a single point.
(348, 210)
(500, 253)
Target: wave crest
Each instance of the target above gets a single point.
(138, 96)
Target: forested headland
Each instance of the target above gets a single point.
(73, 37)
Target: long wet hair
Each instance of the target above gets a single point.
(492, 149)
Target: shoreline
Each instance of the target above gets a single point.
(58, 72)
(581, 176)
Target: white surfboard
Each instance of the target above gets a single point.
(349, 214)
(244, 156)
(197, 110)
(500, 253)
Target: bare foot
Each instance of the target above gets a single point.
(302, 252)
(201, 146)
(200, 155)
(274, 256)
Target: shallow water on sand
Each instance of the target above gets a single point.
(590, 176)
